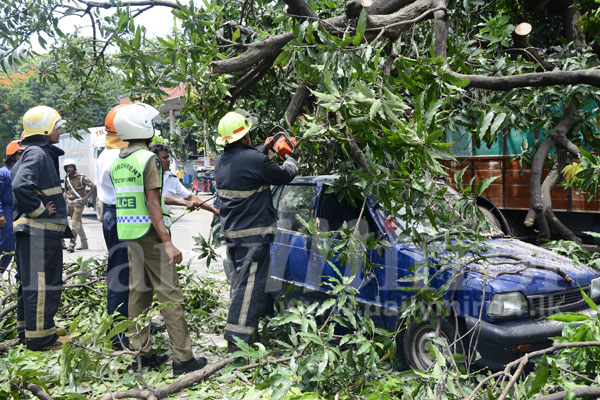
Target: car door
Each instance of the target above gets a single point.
(291, 248)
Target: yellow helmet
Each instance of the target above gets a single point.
(41, 120)
(234, 126)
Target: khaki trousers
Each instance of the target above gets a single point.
(149, 271)
(75, 210)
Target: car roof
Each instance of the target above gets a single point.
(306, 180)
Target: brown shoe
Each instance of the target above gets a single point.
(62, 332)
(58, 344)
(232, 347)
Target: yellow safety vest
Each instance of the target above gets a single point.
(127, 175)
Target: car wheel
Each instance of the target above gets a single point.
(417, 339)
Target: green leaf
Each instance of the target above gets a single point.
(375, 107)
(187, 124)
(541, 377)
(360, 28)
(484, 184)
(497, 122)
(569, 317)
(589, 301)
(487, 120)
(137, 40)
(327, 304)
(458, 176)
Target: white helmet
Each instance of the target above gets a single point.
(69, 161)
(134, 121)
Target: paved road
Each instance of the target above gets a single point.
(183, 232)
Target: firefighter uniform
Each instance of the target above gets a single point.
(136, 171)
(76, 187)
(7, 238)
(35, 182)
(243, 176)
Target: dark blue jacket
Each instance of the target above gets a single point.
(35, 182)
(243, 176)
(6, 196)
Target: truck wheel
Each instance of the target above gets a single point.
(492, 220)
(417, 339)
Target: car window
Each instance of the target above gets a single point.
(290, 201)
(333, 212)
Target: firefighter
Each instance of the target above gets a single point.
(7, 238)
(142, 221)
(78, 188)
(40, 224)
(243, 176)
(117, 274)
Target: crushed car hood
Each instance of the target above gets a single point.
(533, 269)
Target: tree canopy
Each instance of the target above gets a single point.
(378, 83)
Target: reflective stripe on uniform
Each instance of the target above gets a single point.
(240, 194)
(52, 191)
(239, 329)
(248, 294)
(140, 219)
(294, 164)
(38, 211)
(250, 232)
(41, 301)
(129, 189)
(40, 334)
(39, 225)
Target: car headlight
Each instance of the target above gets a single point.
(511, 304)
(595, 288)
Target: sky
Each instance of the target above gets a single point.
(158, 22)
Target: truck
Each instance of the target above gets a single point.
(507, 198)
(84, 148)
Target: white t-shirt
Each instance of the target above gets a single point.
(104, 188)
(172, 187)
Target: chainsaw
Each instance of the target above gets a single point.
(284, 143)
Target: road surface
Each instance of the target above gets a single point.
(183, 232)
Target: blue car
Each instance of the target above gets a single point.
(497, 307)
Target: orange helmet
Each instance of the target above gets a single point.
(109, 122)
(13, 147)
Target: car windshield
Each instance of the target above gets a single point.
(434, 218)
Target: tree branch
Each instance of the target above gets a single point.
(37, 391)
(108, 4)
(174, 387)
(353, 8)
(358, 153)
(590, 76)
(268, 48)
(578, 392)
(537, 209)
(441, 28)
(297, 104)
(300, 8)
(248, 80)
(271, 47)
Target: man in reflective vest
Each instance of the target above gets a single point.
(117, 271)
(243, 175)
(142, 222)
(40, 224)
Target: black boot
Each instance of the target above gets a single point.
(183, 367)
(152, 361)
